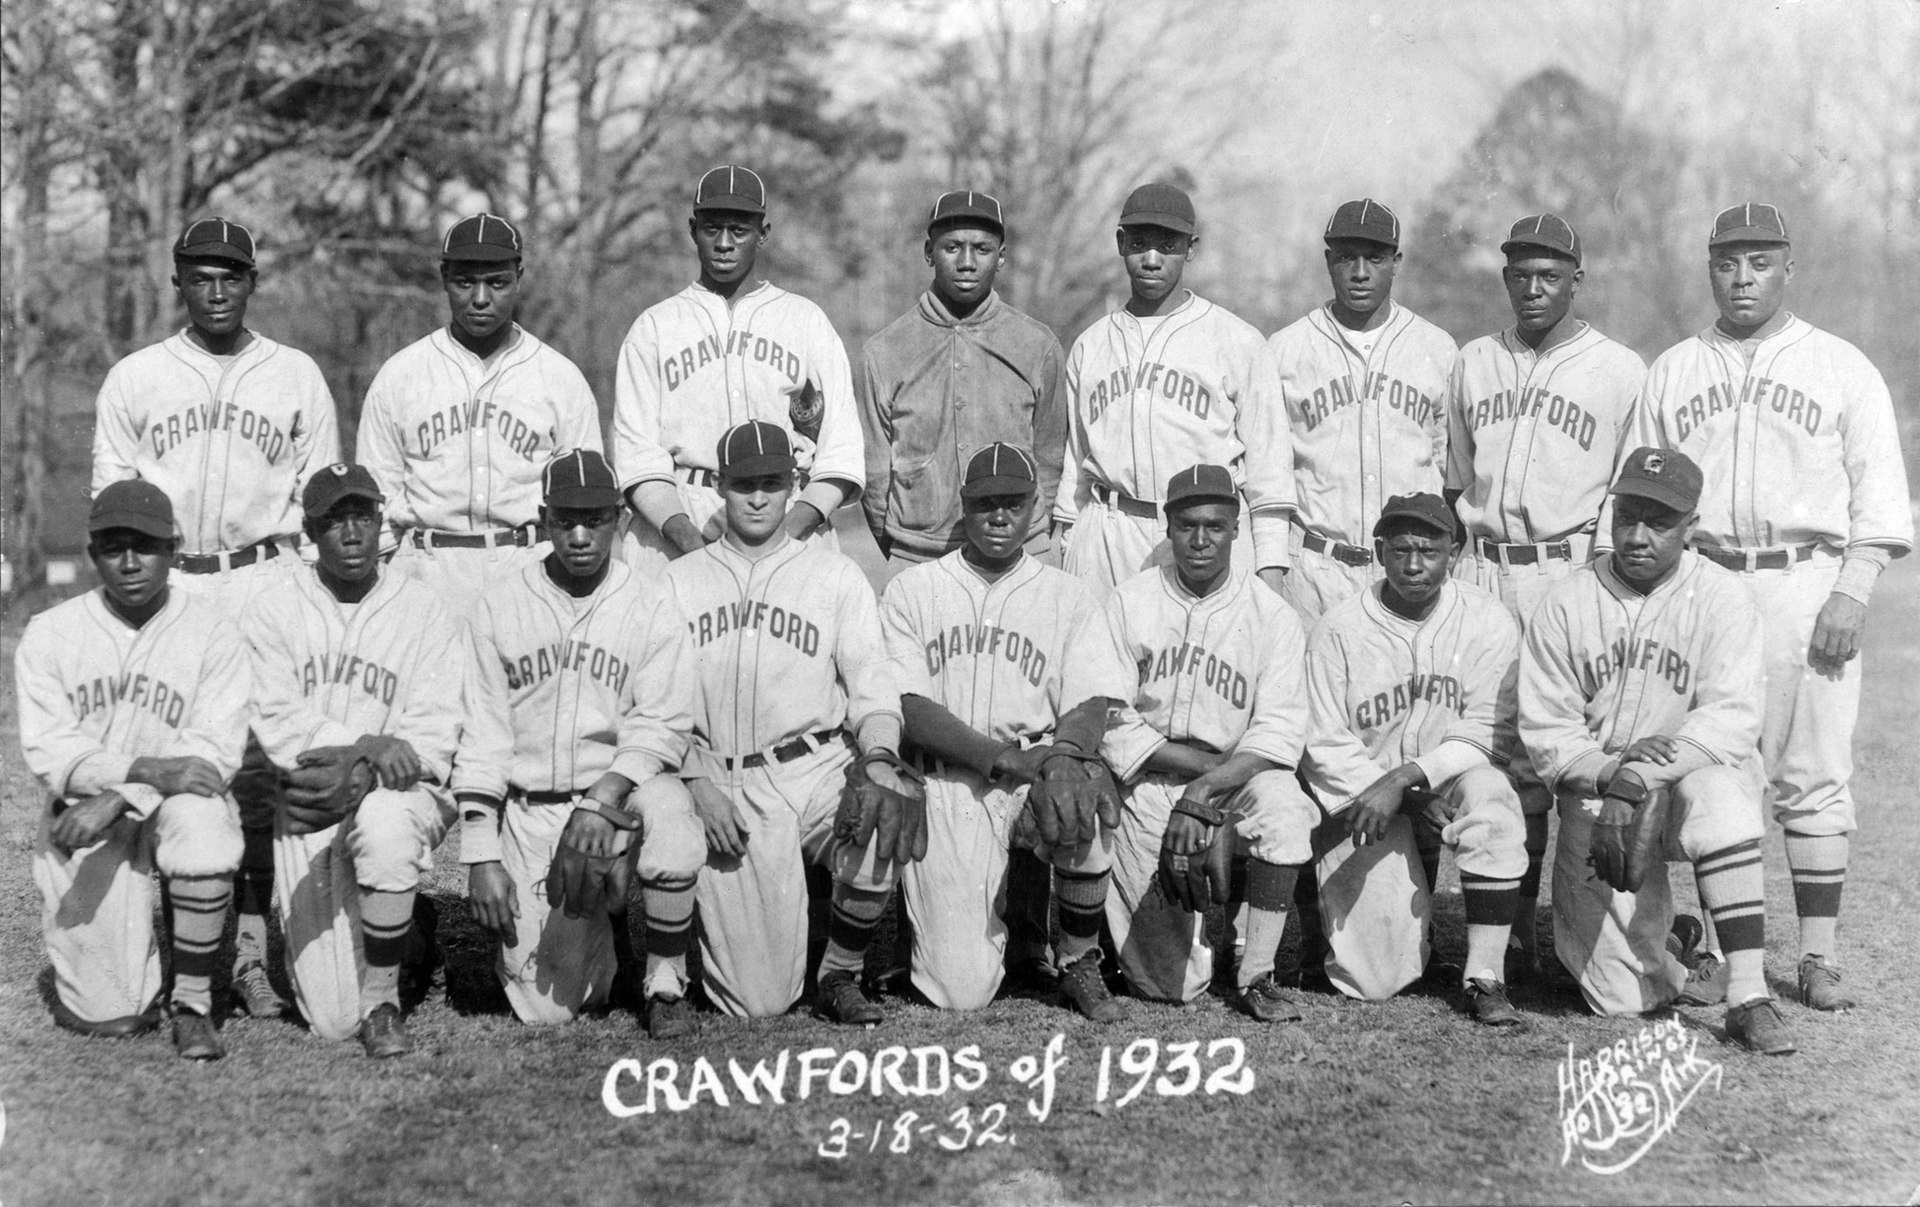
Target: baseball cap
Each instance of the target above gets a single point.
(1549, 231)
(967, 204)
(581, 478)
(132, 503)
(1364, 219)
(1666, 477)
(1423, 508)
(755, 448)
(1749, 222)
(336, 482)
(215, 239)
(1161, 205)
(1000, 469)
(1201, 484)
(485, 238)
(730, 187)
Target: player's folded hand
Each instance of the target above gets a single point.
(492, 901)
(187, 774)
(1836, 635)
(81, 825)
(393, 759)
(589, 870)
(1658, 748)
(726, 830)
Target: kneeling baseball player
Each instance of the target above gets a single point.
(1641, 691)
(359, 679)
(793, 676)
(133, 713)
(579, 721)
(1411, 687)
(987, 648)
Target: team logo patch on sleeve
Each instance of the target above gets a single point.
(804, 411)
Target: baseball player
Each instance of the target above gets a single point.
(721, 352)
(1641, 691)
(793, 678)
(133, 703)
(360, 675)
(1167, 381)
(457, 426)
(958, 372)
(229, 425)
(1806, 500)
(987, 648)
(1208, 668)
(1535, 419)
(1411, 688)
(581, 715)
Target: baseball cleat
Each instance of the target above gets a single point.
(1758, 1027)
(1706, 983)
(1032, 974)
(1086, 989)
(257, 994)
(124, 1027)
(1820, 985)
(194, 1037)
(839, 999)
(1683, 940)
(1486, 1000)
(383, 1034)
(1266, 1002)
(669, 1017)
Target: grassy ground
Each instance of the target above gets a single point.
(1403, 1101)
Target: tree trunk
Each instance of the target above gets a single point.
(28, 301)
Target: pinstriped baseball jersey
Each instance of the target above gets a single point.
(1794, 434)
(1151, 398)
(457, 444)
(1365, 428)
(1533, 436)
(571, 688)
(231, 440)
(1385, 690)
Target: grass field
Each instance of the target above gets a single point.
(1403, 1101)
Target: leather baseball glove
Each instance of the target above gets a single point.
(870, 811)
(1074, 796)
(1629, 838)
(325, 785)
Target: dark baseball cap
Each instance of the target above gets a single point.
(1364, 219)
(1201, 484)
(1427, 509)
(1161, 205)
(1749, 222)
(755, 448)
(339, 481)
(967, 207)
(1000, 469)
(132, 503)
(1549, 232)
(481, 238)
(1667, 477)
(215, 239)
(731, 187)
(580, 478)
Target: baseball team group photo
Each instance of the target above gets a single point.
(892, 701)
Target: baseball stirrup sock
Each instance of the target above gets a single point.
(1491, 905)
(252, 897)
(669, 910)
(1270, 889)
(385, 919)
(1819, 873)
(199, 907)
(1733, 889)
(855, 913)
(1527, 913)
(1083, 903)
(1029, 896)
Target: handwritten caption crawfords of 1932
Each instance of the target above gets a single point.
(1617, 1104)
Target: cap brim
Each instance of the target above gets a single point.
(1748, 234)
(759, 466)
(729, 204)
(1658, 492)
(950, 220)
(214, 251)
(1559, 253)
(1413, 517)
(574, 495)
(146, 525)
(479, 253)
(1172, 222)
(322, 506)
(1173, 505)
(1363, 236)
(983, 488)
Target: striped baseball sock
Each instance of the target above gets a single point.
(669, 914)
(1270, 888)
(1819, 866)
(385, 919)
(252, 898)
(1491, 904)
(1733, 890)
(199, 908)
(1083, 903)
(855, 913)
(1526, 913)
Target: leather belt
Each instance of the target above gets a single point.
(1757, 559)
(1127, 504)
(785, 752)
(1525, 555)
(1339, 551)
(431, 538)
(233, 559)
(552, 798)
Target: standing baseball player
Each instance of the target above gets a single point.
(958, 372)
(358, 682)
(721, 352)
(1641, 691)
(457, 426)
(793, 678)
(579, 720)
(1208, 668)
(1411, 684)
(988, 649)
(1535, 417)
(229, 425)
(133, 705)
(1167, 381)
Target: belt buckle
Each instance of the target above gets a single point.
(1352, 555)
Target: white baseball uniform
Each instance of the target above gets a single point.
(1149, 398)
(1367, 414)
(1225, 671)
(457, 445)
(1438, 693)
(567, 689)
(1601, 667)
(1796, 438)
(696, 365)
(1006, 658)
(791, 664)
(325, 673)
(95, 695)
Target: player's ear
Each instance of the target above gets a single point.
(1120, 239)
(1193, 247)
(1397, 254)
(1789, 272)
(929, 251)
(766, 233)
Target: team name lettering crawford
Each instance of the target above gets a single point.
(991, 641)
(1189, 393)
(169, 433)
(569, 655)
(155, 695)
(1638, 653)
(1795, 405)
(1562, 415)
(476, 415)
(771, 619)
(1339, 394)
(682, 365)
(1189, 659)
(1380, 708)
(323, 670)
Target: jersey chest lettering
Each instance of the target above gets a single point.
(1339, 393)
(1197, 662)
(991, 642)
(1637, 654)
(205, 418)
(372, 679)
(474, 415)
(756, 615)
(1155, 380)
(1563, 416)
(563, 658)
(143, 691)
(1794, 406)
(1381, 708)
(679, 367)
